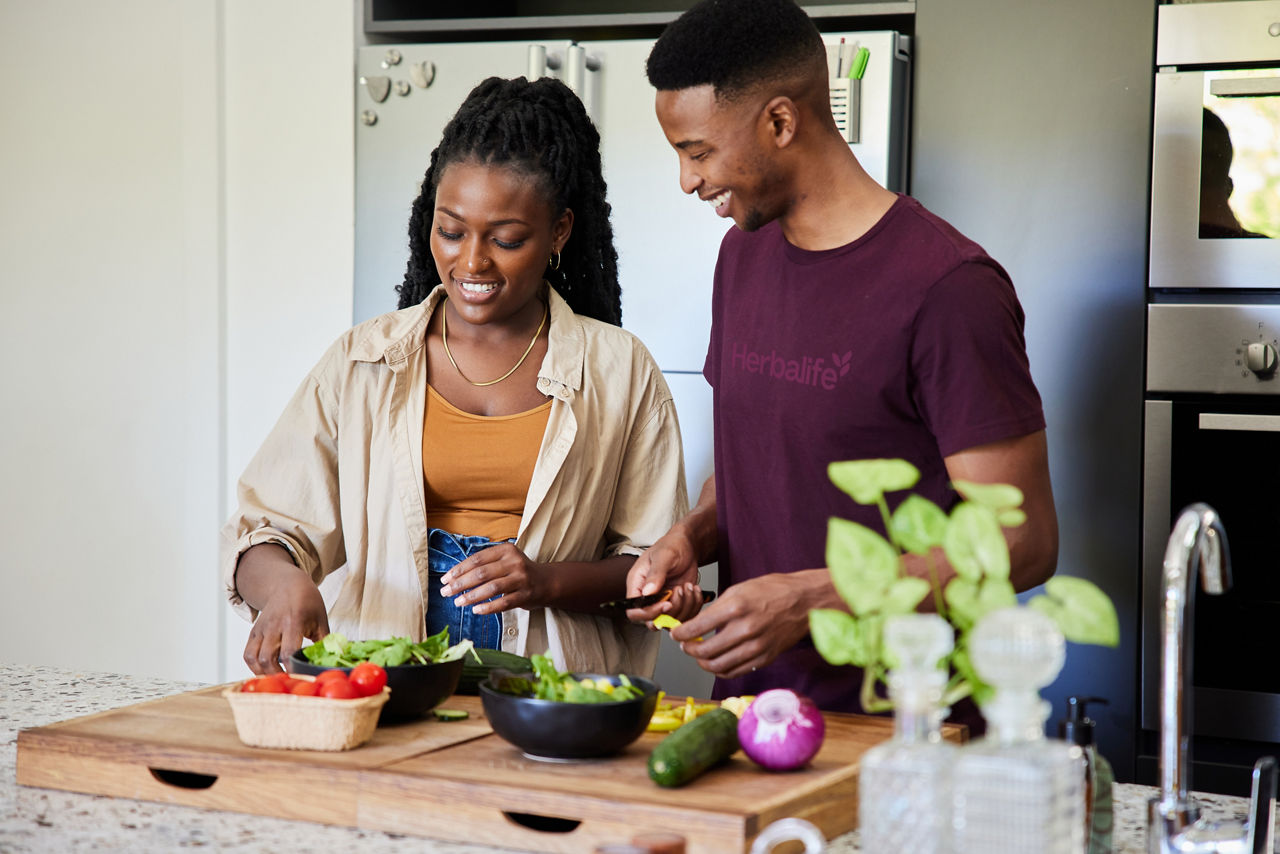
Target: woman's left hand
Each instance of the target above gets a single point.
(502, 571)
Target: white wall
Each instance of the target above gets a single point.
(175, 251)
(290, 202)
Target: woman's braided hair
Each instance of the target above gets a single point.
(539, 128)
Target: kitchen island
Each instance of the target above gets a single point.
(41, 820)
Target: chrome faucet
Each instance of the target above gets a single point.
(1174, 824)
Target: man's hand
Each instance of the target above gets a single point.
(673, 562)
(755, 621)
(670, 562)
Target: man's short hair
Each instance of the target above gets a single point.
(735, 45)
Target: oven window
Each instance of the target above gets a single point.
(1237, 472)
(1240, 155)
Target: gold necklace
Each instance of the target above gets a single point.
(444, 335)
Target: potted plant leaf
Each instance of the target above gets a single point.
(868, 572)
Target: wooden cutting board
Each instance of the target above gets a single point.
(451, 780)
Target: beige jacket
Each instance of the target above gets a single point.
(338, 482)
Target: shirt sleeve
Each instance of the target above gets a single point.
(651, 494)
(971, 375)
(289, 494)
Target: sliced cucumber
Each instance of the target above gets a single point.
(451, 714)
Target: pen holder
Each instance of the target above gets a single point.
(846, 105)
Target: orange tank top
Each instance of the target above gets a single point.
(477, 468)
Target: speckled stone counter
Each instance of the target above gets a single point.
(45, 820)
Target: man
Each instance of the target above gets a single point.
(847, 323)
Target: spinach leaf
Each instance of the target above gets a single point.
(336, 651)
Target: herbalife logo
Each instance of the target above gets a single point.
(805, 371)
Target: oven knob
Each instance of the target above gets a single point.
(1262, 359)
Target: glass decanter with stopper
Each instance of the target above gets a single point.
(1016, 791)
(904, 786)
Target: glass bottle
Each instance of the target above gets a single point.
(1015, 791)
(904, 784)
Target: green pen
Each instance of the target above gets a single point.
(859, 65)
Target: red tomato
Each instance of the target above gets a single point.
(337, 689)
(368, 678)
(286, 681)
(263, 685)
(329, 675)
(303, 688)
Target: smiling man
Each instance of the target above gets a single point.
(848, 322)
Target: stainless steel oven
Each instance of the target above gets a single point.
(1212, 434)
(1215, 180)
(1212, 403)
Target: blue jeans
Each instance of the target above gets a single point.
(445, 551)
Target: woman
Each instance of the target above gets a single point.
(492, 456)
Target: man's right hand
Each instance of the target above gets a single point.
(670, 562)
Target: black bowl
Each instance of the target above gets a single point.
(546, 729)
(416, 689)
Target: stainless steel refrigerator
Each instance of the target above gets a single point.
(667, 241)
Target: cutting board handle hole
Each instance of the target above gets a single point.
(183, 779)
(542, 823)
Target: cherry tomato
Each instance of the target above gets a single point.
(329, 675)
(286, 681)
(303, 688)
(337, 689)
(368, 678)
(263, 685)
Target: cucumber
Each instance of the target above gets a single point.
(451, 714)
(474, 672)
(703, 742)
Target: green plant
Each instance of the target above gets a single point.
(868, 572)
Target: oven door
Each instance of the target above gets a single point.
(1223, 450)
(1215, 180)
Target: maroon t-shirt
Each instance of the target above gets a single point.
(906, 343)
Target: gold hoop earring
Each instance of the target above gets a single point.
(554, 261)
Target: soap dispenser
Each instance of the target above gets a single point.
(1014, 790)
(1077, 729)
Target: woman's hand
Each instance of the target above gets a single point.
(501, 571)
(294, 612)
(290, 608)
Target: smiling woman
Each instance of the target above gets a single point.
(490, 458)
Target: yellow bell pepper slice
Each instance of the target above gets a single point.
(737, 705)
(664, 723)
(666, 621)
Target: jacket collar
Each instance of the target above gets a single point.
(397, 335)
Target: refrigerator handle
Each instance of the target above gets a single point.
(576, 64)
(539, 62)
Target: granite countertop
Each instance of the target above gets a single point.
(48, 820)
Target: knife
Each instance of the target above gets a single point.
(650, 599)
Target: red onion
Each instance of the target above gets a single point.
(781, 730)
